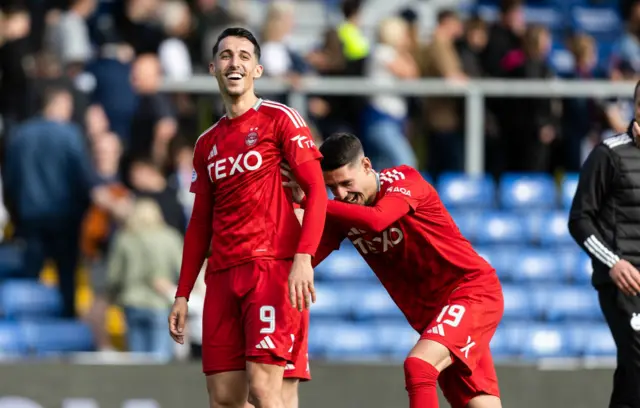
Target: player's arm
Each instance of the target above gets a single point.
(330, 241)
(199, 231)
(387, 210)
(304, 159)
(596, 177)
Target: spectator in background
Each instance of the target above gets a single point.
(69, 36)
(278, 59)
(581, 116)
(472, 46)
(15, 51)
(441, 114)
(96, 122)
(137, 22)
(210, 19)
(182, 172)
(148, 181)
(142, 269)
(98, 227)
(504, 36)
(173, 52)
(154, 123)
(627, 47)
(113, 89)
(530, 123)
(386, 115)
(49, 183)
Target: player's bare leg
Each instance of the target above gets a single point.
(228, 389)
(265, 385)
(421, 369)
(485, 401)
(289, 393)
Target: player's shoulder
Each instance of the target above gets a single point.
(211, 131)
(398, 173)
(280, 112)
(617, 141)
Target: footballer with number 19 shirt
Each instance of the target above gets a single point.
(447, 292)
(259, 276)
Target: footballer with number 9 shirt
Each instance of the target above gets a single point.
(259, 276)
(447, 292)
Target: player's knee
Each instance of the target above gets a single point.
(265, 382)
(290, 392)
(419, 374)
(226, 394)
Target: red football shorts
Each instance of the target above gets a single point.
(247, 316)
(300, 368)
(465, 325)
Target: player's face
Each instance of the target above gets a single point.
(353, 183)
(235, 66)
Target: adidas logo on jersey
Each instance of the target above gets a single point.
(266, 344)
(213, 153)
(439, 329)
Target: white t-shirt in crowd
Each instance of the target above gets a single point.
(276, 59)
(392, 105)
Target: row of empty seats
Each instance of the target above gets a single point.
(369, 301)
(384, 340)
(513, 191)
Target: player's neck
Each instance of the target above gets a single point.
(238, 106)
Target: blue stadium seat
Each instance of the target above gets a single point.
(345, 264)
(396, 339)
(533, 220)
(351, 342)
(373, 302)
(572, 303)
(555, 230)
(547, 16)
(600, 342)
(562, 60)
(508, 339)
(527, 191)
(517, 303)
(330, 302)
(11, 260)
(500, 228)
(536, 265)
(467, 222)
(568, 259)
(29, 299)
(58, 336)
(11, 339)
(601, 22)
(458, 190)
(569, 185)
(541, 341)
(584, 269)
(501, 258)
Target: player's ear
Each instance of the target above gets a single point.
(257, 73)
(212, 68)
(366, 164)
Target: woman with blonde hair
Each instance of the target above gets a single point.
(385, 117)
(142, 268)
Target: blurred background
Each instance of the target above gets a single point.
(496, 102)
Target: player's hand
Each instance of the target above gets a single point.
(301, 290)
(178, 319)
(296, 191)
(626, 277)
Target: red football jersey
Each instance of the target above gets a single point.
(421, 258)
(238, 162)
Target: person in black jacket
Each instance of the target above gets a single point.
(605, 221)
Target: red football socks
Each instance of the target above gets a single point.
(421, 379)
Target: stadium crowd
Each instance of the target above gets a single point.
(96, 161)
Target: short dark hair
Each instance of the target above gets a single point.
(507, 6)
(340, 149)
(350, 8)
(444, 15)
(238, 32)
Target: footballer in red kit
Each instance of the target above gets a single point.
(259, 276)
(447, 292)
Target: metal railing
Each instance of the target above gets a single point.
(474, 92)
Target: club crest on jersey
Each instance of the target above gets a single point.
(252, 137)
